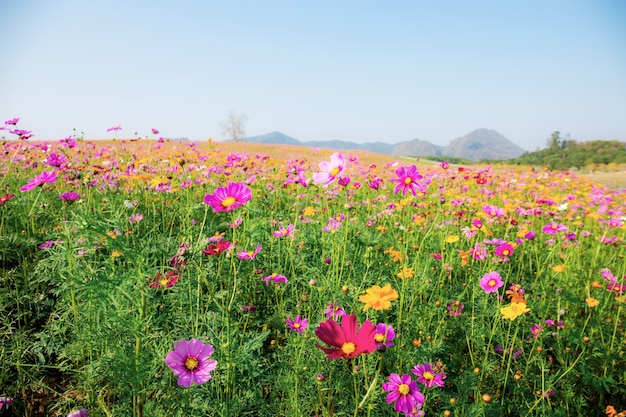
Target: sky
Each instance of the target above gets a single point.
(360, 71)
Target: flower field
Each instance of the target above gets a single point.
(166, 278)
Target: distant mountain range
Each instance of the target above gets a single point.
(476, 145)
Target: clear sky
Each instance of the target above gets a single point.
(359, 71)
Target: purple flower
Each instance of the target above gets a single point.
(285, 232)
(298, 324)
(114, 128)
(69, 196)
(455, 308)
(404, 393)
(275, 278)
(490, 282)
(135, 218)
(12, 121)
(228, 198)
(408, 181)
(5, 400)
(79, 413)
(384, 335)
(190, 362)
(333, 311)
(429, 375)
(251, 254)
(41, 179)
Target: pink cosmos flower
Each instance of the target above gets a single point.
(404, 393)
(12, 121)
(41, 179)
(298, 324)
(6, 198)
(490, 282)
(429, 375)
(329, 170)
(333, 311)
(166, 280)
(217, 248)
(154, 131)
(228, 198)
(504, 251)
(114, 128)
(79, 413)
(190, 362)
(408, 181)
(275, 278)
(554, 228)
(251, 254)
(384, 335)
(285, 232)
(493, 211)
(479, 252)
(347, 340)
(69, 196)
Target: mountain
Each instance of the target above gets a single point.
(476, 145)
(483, 144)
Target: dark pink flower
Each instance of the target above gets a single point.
(403, 393)
(429, 375)
(190, 362)
(347, 340)
(298, 324)
(41, 179)
(250, 255)
(408, 180)
(228, 198)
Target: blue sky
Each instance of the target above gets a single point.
(359, 71)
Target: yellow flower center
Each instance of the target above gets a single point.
(348, 348)
(491, 282)
(333, 172)
(379, 338)
(191, 363)
(429, 376)
(163, 282)
(404, 389)
(505, 252)
(407, 181)
(296, 325)
(228, 201)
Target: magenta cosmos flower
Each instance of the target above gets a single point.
(249, 254)
(228, 198)
(275, 278)
(347, 340)
(384, 335)
(404, 393)
(329, 170)
(190, 362)
(491, 281)
(41, 179)
(79, 413)
(408, 181)
(429, 375)
(298, 324)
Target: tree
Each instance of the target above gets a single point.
(234, 126)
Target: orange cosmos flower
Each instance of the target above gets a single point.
(378, 298)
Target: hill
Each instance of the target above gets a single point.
(476, 145)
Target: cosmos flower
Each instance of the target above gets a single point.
(114, 128)
(408, 181)
(298, 324)
(384, 335)
(5, 198)
(403, 393)
(504, 250)
(5, 401)
(378, 298)
(228, 198)
(41, 179)
(347, 340)
(69, 196)
(514, 310)
(79, 413)
(217, 248)
(289, 231)
(167, 280)
(250, 254)
(190, 362)
(275, 278)
(491, 282)
(329, 171)
(429, 375)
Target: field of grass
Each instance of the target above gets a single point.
(148, 278)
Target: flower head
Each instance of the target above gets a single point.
(329, 170)
(41, 179)
(275, 278)
(408, 181)
(514, 310)
(384, 335)
(190, 362)
(69, 196)
(166, 280)
(490, 282)
(228, 198)
(298, 324)
(5, 401)
(404, 393)
(429, 375)
(378, 298)
(217, 248)
(347, 340)
(289, 231)
(5, 198)
(250, 254)
(79, 413)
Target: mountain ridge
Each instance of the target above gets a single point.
(479, 144)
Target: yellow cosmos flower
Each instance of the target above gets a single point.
(378, 298)
(592, 302)
(559, 268)
(405, 273)
(308, 211)
(451, 239)
(514, 310)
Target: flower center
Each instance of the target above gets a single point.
(228, 201)
(491, 283)
(505, 252)
(348, 348)
(408, 180)
(163, 282)
(191, 363)
(379, 338)
(404, 389)
(428, 376)
(296, 325)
